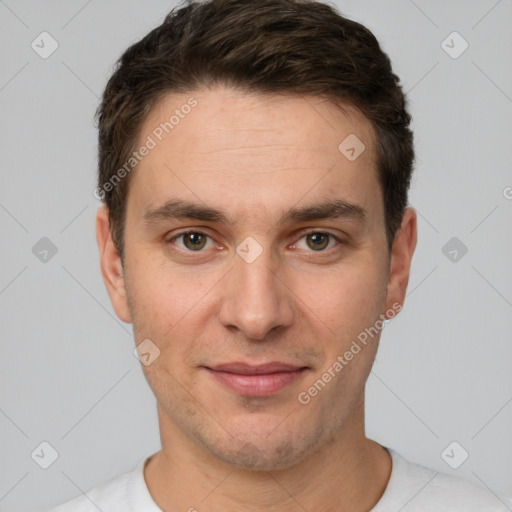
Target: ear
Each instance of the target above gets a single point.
(111, 267)
(400, 261)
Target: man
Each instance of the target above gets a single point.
(254, 161)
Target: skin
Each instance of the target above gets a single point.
(255, 157)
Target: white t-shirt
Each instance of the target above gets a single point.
(411, 488)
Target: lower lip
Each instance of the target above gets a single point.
(257, 385)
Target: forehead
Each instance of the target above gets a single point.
(211, 145)
(223, 115)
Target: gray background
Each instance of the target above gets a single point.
(68, 374)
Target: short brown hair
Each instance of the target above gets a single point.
(266, 46)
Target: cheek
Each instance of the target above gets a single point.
(169, 308)
(161, 297)
(347, 299)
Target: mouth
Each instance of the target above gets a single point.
(256, 380)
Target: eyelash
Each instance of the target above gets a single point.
(325, 251)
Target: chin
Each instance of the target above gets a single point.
(252, 458)
(259, 454)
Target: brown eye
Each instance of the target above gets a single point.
(194, 241)
(191, 241)
(317, 241)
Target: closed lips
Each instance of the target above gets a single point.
(264, 369)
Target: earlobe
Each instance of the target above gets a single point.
(402, 251)
(111, 266)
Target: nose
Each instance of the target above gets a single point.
(256, 299)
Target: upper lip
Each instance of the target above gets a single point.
(261, 369)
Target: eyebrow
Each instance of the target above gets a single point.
(181, 209)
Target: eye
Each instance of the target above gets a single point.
(192, 241)
(196, 241)
(318, 241)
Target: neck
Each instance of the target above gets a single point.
(348, 473)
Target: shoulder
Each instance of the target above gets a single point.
(111, 496)
(415, 488)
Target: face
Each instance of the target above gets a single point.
(255, 255)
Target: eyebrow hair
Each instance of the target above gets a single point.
(181, 209)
